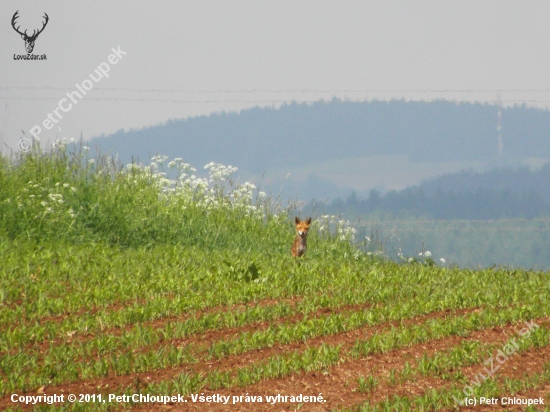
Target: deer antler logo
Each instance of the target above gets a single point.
(29, 40)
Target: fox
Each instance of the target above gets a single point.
(300, 241)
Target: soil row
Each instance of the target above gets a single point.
(117, 306)
(345, 340)
(196, 340)
(338, 385)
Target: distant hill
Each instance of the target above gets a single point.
(261, 138)
(296, 135)
(495, 194)
(520, 180)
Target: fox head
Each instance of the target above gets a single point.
(302, 226)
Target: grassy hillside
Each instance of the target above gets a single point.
(120, 282)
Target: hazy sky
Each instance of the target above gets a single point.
(187, 58)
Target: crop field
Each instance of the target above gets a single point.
(117, 283)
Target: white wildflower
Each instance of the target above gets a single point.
(159, 159)
(56, 197)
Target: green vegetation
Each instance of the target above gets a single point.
(185, 285)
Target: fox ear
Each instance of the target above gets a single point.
(297, 220)
(308, 220)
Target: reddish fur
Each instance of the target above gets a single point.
(299, 246)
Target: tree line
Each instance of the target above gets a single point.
(495, 194)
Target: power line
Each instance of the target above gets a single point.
(161, 100)
(226, 100)
(128, 89)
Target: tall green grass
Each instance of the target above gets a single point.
(64, 195)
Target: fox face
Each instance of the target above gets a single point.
(302, 226)
(299, 246)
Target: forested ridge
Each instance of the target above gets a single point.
(258, 139)
(501, 193)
